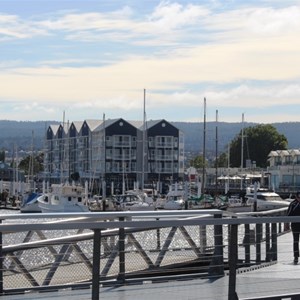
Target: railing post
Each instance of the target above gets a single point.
(274, 241)
(247, 245)
(232, 261)
(202, 238)
(158, 246)
(217, 264)
(121, 276)
(268, 247)
(1, 264)
(96, 265)
(258, 243)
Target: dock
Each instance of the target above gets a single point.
(275, 279)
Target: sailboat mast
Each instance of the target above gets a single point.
(242, 150)
(216, 187)
(62, 150)
(242, 143)
(30, 171)
(143, 141)
(103, 168)
(204, 141)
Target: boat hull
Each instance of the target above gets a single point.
(56, 208)
(31, 204)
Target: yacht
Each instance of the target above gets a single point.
(265, 199)
(132, 202)
(64, 198)
(175, 200)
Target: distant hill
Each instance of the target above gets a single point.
(19, 133)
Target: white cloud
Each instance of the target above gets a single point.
(168, 16)
(274, 21)
(13, 27)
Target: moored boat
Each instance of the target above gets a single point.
(64, 198)
(30, 203)
(175, 200)
(131, 202)
(264, 199)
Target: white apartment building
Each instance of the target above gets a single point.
(112, 151)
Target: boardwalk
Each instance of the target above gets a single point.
(278, 279)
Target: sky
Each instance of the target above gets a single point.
(91, 59)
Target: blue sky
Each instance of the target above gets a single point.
(89, 58)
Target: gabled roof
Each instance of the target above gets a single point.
(283, 153)
(136, 124)
(152, 123)
(295, 151)
(93, 124)
(54, 128)
(107, 123)
(149, 124)
(77, 125)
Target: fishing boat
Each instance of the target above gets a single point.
(64, 198)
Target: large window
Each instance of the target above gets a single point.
(164, 141)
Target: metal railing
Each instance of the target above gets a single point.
(87, 249)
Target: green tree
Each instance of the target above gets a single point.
(259, 141)
(2, 155)
(36, 165)
(197, 162)
(222, 160)
(75, 176)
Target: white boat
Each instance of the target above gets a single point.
(98, 203)
(64, 198)
(131, 202)
(30, 203)
(145, 194)
(237, 204)
(265, 199)
(175, 200)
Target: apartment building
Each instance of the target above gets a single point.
(110, 153)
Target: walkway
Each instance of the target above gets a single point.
(277, 279)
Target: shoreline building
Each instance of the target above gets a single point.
(114, 155)
(284, 170)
